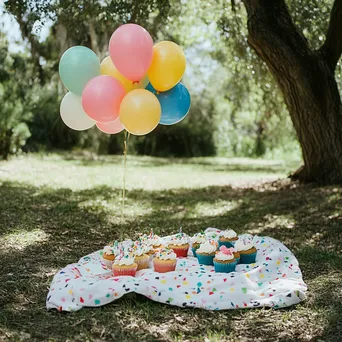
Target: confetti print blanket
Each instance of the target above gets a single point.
(275, 280)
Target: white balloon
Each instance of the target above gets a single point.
(72, 113)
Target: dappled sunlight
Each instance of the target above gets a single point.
(217, 208)
(270, 221)
(22, 239)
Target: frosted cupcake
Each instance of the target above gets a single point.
(180, 245)
(206, 253)
(165, 260)
(108, 256)
(196, 240)
(247, 251)
(227, 238)
(140, 256)
(224, 261)
(125, 266)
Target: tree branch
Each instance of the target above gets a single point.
(332, 47)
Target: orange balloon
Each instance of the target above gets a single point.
(168, 66)
(108, 68)
(140, 112)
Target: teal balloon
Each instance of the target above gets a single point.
(77, 66)
(175, 103)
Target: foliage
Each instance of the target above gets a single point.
(14, 99)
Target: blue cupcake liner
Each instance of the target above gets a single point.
(225, 268)
(205, 259)
(228, 244)
(194, 251)
(248, 258)
(238, 260)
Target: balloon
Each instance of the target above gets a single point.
(140, 112)
(77, 66)
(101, 98)
(110, 127)
(108, 68)
(131, 50)
(168, 66)
(175, 103)
(72, 113)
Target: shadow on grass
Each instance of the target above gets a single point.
(70, 224)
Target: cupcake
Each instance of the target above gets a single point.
(165, 260)
(247, 251)
(206, 252)
(224, 261)
(152, 240)
(125, 266)
(227, 238)
(108, 256)
(196, 240)
(140, 256)
(180, 245)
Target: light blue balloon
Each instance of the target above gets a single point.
(77, 66)
(175, 103)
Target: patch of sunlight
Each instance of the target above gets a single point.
(115, 207)
(274, 222)
(22, 239)
(213, 209)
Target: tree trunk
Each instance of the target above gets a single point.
(306, 79)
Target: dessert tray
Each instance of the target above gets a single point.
(274, 280)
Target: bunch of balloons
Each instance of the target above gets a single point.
(135, 88)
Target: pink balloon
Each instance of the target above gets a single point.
(101, 98)
(110, 127)
(131, 50)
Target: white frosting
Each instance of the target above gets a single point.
(199, 238)
(228, 234)
(125, 260)
(108, 250)
(206, 248)
(140, 251)
(222, 256)
(179, 239)
(243, 245)
(166, 254)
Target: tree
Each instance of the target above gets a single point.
(306, 77)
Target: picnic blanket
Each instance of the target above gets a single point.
(274, 280)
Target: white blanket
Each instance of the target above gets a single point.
(275, 280)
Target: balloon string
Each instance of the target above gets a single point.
(124, 181)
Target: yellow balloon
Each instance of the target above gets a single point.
(140, 112)
(167, 67)
(108, 68)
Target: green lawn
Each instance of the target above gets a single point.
(55, 209)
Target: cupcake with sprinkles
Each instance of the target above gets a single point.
(224, 261)
(227, 238)
(206, 252)
(109, 253)
(124, 265)
(154, 240)
(140, 256)
(196, 240)
(247, 251)
(165, 260)
(179, 243)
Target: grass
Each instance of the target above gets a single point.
(56, 208)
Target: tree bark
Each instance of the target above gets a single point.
(306, 79)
